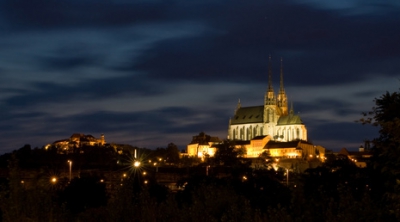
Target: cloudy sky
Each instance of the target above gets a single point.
(151, 72)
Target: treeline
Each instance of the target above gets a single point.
(339, 193)
(336, 191)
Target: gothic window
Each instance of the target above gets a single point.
(234, 134)
(255, 131)
(288, 135)
(283, 133)
(292, 136)
(298, 133)
(241, 134)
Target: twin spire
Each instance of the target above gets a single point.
(270, 88)
(281, 100)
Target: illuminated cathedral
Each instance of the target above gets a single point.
(273, 118)
(272, 127)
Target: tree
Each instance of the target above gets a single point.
(172, 153)
(386, 150)
(83, 193)
(386, 115)
(228, 155)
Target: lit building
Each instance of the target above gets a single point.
(360, 157)
(296, 149)
(271, 127)
(77, 140)
(203, 145)
(273, 118)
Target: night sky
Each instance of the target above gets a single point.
(153, 72)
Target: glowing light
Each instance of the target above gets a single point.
(136, 164)
(124, 175)
(144, 173)
(53, 180)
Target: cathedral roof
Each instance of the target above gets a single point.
(289, 120)
(253, 114)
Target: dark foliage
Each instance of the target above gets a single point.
(84, 193)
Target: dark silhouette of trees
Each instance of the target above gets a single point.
(385, 163)
(172, 153)
(226, 154)
(84, 193)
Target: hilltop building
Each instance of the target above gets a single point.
(77, 140)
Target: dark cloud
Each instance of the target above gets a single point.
(324, 42)
(339, 107)
(50, 14)
(344, 134)
(44, 92)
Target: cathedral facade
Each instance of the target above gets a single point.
(273, 118)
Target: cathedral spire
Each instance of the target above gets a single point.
(270, 88)
(270, 94)
(238, 106)
(281, 89)
(282, 97)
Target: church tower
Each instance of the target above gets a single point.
(282, 97)
(270, 109)
(270, 99)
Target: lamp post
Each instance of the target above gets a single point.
(287, 177)
(70, 170)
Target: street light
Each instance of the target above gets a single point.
(155, 164)
(70, 170)
(136, 164)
